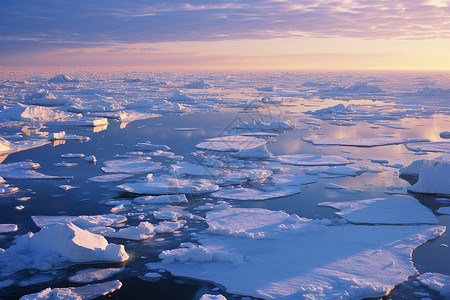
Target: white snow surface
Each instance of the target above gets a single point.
(243, 193)
(143, 231)
(163, 199)
(384, 211)
(84, 222)
(430, 147)
(437, 282)
(433, 177)
(130, 166)
(90, 291)
(339, 268)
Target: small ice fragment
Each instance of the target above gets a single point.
(437, 282)
(164, 199)
(212, 297)
(5, 228)
(65, 164)
(444, 210)
(90, 158)
(166, 215)
(19, 207)
(67, 187)
(110, 177)
(151, 276)
(72, 155)
(445, 134)
(90, 275)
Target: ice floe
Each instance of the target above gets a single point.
(163, 199)
(437, 282)
(430, 147)
(357, 88)
(143, 231)
(201, 84)
(169, 185)
(361, 142)
(433, 177)
(212, 297)
(311, 160)
(444, 210)
(384, 211)
(148, 146)
(32, 113)
(191, 169)
(62, 78)
(84, 222)
(445, 134)
(259, 152)
(110, 177)
(24, 170)
(90, 275)
(260, 125)
(130, 166)
(231, 143)
(340, 268)
(5, 228)
(90, 291)
(243, 193)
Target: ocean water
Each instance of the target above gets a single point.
(398, 111)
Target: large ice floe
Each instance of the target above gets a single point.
(24, 170)
(130, 165)
(384, 211)
(279, 253)
(312, 160)
(430, 147)
(437, 282)
(165, 185)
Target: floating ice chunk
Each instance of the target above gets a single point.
(84, 222)
(166, 215)
(90, 291)
(7, 189)
(430, 147)
(433, 177)
(357, 142)
(81, 122)
(241, 193)
(312, 160)
(143, 231)
(255, 153)
(6, 283)
(384, 211)
(90, 275)
(23, 170)
(5, 228)
(19, 207)
(340, 268)
(71, 242)
(45, 98)
(232, 177)
(185, 129)
(201, 84)
(414, 168)
(231, 143)
(168, 226)
(337, 109)
(293, 179)
(169, 185)
(148, 146)
(7, 147)
(264, 126)
(193, 170)
(130, 165)
(90, 158)
(445, 134)
(342, 123)
(333, 186)
(198, 254)
(67, 187)
(22, 113)
(72, 155)
(345, 171)
(262, 134)
(151, 276)
(62, 78)
(444, 210)
(212, 297)
(110, 177)
(437, 282)
(36, 279)
(257, 223)
(164, 199)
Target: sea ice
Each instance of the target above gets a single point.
(233, 177)
(339, 268)
(62, 78)
(345, 171)
(164, 199)
(191, 169)
(90, 275)
(433, 177)
(23, 170)
(5, 228)
(110, 177)
(444, 210)
(311, 160)
(357, 88)
(384, 211)
(231, 143)
(166, 215)
(130, 165)
(22, 112)
(72, 155)
(255, 153)
(45, 98)
(70, 242)
(169, 185)
(148, 146)
(430, 147)
(90, 291)
(84, 222)
(169, 226)
(242, 193)
(143, 231)
(201, 84)
(437, 282)
(212, 297)
(445, 134)
(260, 125)
(356, 142)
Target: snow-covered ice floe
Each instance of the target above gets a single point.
(280, 253)
(5, 228)
(84, 222)
(361, 141)
(24, 170)
(384, 211)
(260, 125)
(130, 166)
(433, 176)
(163, 199)
(311, 160)
(243, 193)
(430, 147)
(90, 291)
(437, 282)
(7, 147)
(231, 143)
(169, 185)
(90, 275)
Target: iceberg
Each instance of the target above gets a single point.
(433, 177)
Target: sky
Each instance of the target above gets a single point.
(221, 35)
